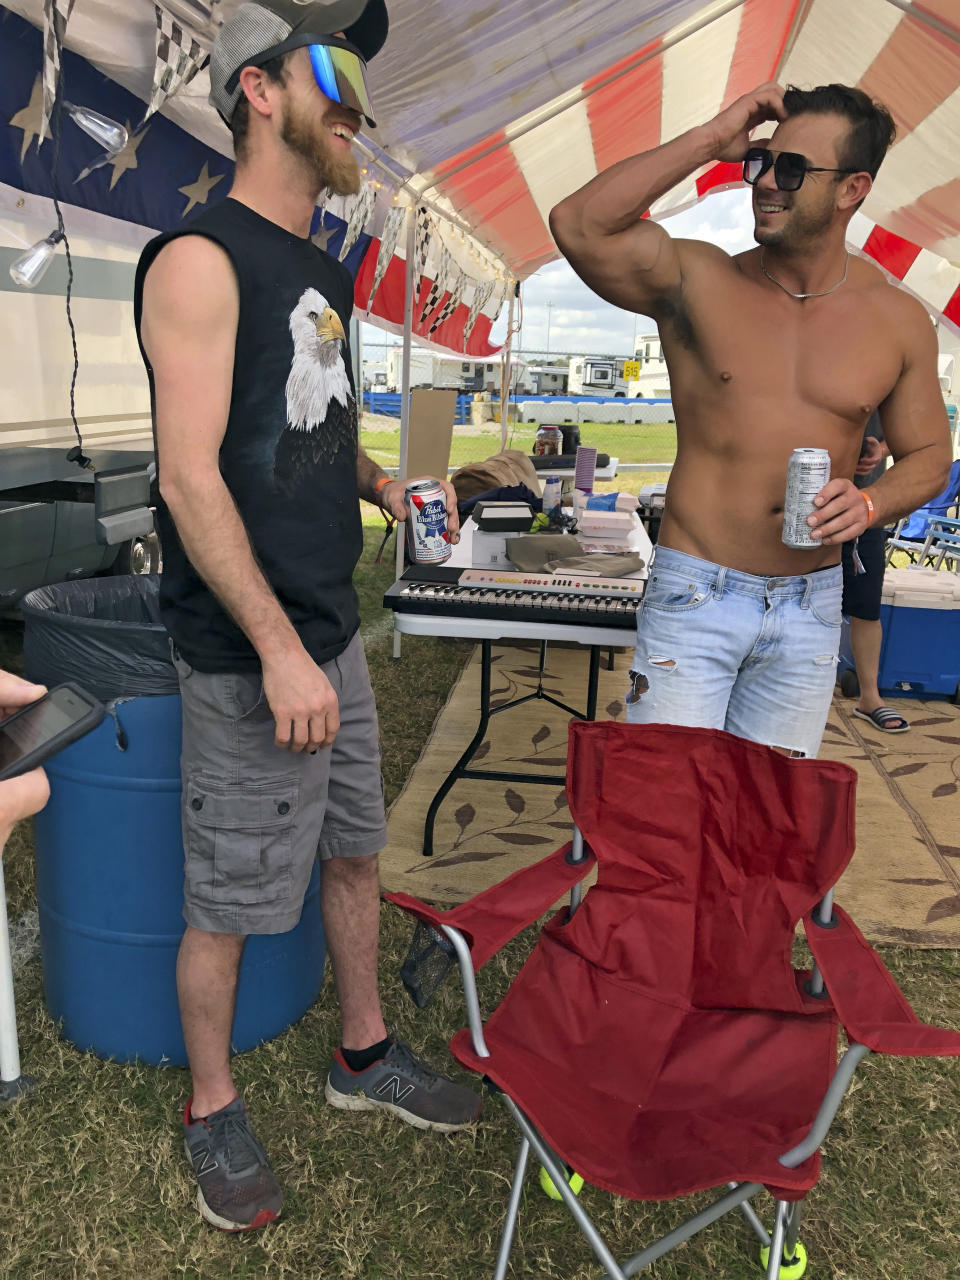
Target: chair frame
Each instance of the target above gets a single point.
(781, 1241)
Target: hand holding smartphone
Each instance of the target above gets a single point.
(39, 730)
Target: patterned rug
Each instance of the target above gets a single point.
(902, 886)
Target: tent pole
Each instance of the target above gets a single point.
(505, 384)
(409, 291)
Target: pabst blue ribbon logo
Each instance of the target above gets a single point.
(433, 517)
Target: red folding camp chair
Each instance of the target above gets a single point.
(719, 1063)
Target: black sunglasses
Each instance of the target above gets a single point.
(789, 167)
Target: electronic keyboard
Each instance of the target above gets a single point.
(574, 598)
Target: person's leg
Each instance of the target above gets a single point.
(371, 1070)
(862, 599)
(207, 967)
(351, 921)
(866, 640)
(783, 693)
(692, 634)
(252, 815)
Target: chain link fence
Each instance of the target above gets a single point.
(640, 433)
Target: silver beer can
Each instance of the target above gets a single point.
(427, 539)
(807, 472)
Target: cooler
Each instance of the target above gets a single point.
(920, 654)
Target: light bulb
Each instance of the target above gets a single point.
(30, 268)
(111, 136)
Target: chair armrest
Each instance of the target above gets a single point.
(872, 1008)
(495, 916)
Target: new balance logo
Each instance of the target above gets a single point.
(203, 1163)
(394, 1088)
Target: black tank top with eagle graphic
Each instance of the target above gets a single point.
(289, 453)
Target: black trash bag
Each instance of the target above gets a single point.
(105, 634)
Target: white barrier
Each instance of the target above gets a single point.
(644, 413)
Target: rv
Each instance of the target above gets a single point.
(653, 380)
(544, 380)
(596, 376)
(459, 373)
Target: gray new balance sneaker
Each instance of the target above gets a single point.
(403, 1085)
(236, 1187)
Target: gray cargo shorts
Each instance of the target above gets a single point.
(254, 815)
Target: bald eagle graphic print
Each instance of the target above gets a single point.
(321, 410)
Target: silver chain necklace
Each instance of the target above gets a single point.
(801, 296)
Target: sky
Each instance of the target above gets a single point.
(559, 306)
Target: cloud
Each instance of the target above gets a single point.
(555, 300)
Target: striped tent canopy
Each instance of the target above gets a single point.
(489, 114)
(514, 106)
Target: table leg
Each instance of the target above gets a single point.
(457, 771)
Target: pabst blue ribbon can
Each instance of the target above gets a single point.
(807, 472)
(427, 539)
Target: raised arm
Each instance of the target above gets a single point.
(624, 257)
(189, 334)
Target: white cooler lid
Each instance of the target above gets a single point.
(921, 589)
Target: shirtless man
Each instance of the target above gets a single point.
(793, 344)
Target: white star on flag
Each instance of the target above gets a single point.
(199, 192)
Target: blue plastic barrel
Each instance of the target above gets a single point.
(109, 866)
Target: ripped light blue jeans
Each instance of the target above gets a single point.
(728, 650)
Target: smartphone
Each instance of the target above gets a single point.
(38, 731)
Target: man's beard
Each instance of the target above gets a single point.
(337, 171)
(802, 226)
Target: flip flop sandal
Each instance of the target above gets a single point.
(881, 719)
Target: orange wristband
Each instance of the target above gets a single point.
(871, 511)
(381, 483)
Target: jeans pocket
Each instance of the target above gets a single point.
(240, 839)
(827, 606)
(672, 593)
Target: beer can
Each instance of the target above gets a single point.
(427, 539)
(552, 493)
(807, 472)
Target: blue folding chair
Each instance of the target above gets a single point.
(916, 534)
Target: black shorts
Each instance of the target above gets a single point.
(862, 592)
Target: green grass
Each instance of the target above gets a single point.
(656, 442)
(94, 1186)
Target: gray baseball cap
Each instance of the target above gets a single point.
(254, 33)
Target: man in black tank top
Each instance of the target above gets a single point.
(242, 323)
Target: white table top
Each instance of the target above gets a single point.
(608, 472)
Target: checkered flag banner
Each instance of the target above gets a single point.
(362, 208)
(451, 304)
(482, 290)
(388, 242)
(439, 286)
(178, 59)
(503, 297)
(421, 244)
(54, 11)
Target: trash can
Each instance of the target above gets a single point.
(109, 855)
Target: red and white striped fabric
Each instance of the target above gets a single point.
(656, 70)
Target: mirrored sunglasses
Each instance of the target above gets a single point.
(342, 75)
(789, 167)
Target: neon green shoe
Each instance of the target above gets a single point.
(792, 1270)
(574, 1181)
